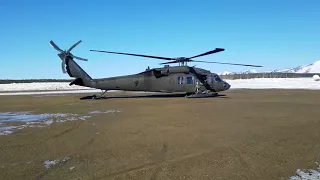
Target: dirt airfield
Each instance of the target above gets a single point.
(246, 134)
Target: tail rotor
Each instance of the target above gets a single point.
(66, 54)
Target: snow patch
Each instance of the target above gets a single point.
(103, 112)
(307, 174)
(316, 77)
(5, 132)
(11, 122)
(49, 163)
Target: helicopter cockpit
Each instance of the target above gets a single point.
(216, 82)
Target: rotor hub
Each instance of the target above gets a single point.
(183, 59)
(66, 54)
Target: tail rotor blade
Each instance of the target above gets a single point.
(79, 58)
(63, 67)
(73, 46)
(55, 46)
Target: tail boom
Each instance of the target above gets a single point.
(82, 78)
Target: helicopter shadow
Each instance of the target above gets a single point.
(93, 97)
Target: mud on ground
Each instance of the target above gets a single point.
(247, 134)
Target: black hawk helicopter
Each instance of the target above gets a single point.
(194, 82)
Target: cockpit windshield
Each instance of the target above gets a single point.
(217, 78)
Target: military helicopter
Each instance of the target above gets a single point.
(194, 82)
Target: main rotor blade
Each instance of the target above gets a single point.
(228, 63)
(209, 52)
(55, 46)
(140, 55)
(73, 46)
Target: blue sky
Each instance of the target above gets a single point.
(275, 34)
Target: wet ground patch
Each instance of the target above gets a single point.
(11, 122)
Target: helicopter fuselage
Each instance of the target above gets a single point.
(167, 79)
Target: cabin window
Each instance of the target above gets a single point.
(190, 80)
(180, 80)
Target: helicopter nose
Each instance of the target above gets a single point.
(226, 85)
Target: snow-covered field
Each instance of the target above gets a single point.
(43, 88)
(39, 86)
(275, 83)
(63, 87)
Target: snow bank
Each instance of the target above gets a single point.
(36, 86)
(43, 88)
(50, 92)
(274, 83)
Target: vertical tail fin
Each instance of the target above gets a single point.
(74, 70)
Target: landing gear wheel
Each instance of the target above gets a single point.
(99, 97)
(95, 97)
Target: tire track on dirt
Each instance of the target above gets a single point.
(65, 131)
(161, 156)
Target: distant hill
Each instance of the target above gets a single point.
(310, 68)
